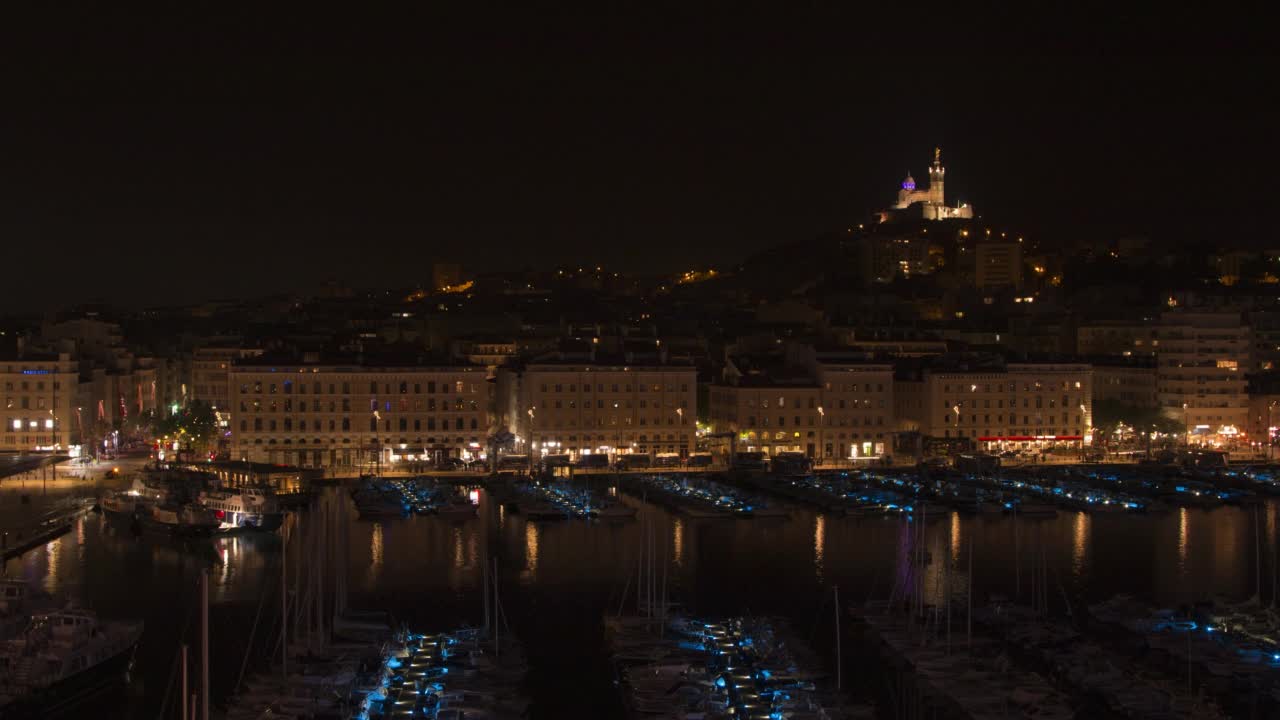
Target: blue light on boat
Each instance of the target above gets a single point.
(1180, 488)
(394, 663)
(720, 682)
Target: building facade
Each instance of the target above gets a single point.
(39, 411)
(1129, 381)
(998, 264)
(587, 407)
(357, 415)
(1203, 360)
(210, 375)
(1021, 405)
(824, 406)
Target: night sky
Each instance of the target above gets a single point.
(168, 159)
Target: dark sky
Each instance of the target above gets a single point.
(160, 159)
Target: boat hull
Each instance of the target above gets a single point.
(65, 696)
(238, 522)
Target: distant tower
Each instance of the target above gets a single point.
(936, 177)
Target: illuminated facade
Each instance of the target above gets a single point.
(335, 415)
(1021, 405)
(926, 204)
(39, 410)
(578, 408)
(1203, 358)
(827, 408)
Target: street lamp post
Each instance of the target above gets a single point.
(680, 421)
(822, 418)
(1186, 427)
(1270, 424)
(531, 443)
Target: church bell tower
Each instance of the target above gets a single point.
(937, 175)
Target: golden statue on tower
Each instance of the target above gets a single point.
(937, 154)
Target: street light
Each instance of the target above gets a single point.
(822, 416)
(680, 414)
(1270, 424)
(1186, 427)
(531, 445)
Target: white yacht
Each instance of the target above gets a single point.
(247, 508)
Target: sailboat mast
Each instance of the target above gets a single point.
(284, 608)
(204, 644)
(182, 699)
(839, 658)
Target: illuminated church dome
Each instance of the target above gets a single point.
(909, 183)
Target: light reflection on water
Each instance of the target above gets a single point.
(558, 579)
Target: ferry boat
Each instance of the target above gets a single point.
(244, 509)
(62, 658)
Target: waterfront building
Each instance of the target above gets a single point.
(210, 377)
(39, 411)
(1130, 381)
(596, 404)
(1203, 359)
(823, 403)
(992, 405)
(358, 413)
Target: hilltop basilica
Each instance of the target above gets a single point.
(925, 204)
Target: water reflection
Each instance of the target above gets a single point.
(819, 544)
(375, 551)
(51, 562)
(677, 541)
(1080, 541)
(1183, 539)
(531, 550)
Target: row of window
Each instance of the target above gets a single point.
(24, 403)
(959, 419)
(627, 420)
(1013, 403)
(867, 421)
(1016, 432)
(600, 404)
(317, 388)
(26, 385)
(779, 435)
(586, 387)
(1013, 386)
(403, 405)
(333, 423)
(31, 424)
(347, 441)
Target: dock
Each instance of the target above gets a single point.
(53, 526)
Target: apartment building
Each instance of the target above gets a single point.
(39, 411)
(995, 406)
(1202, 362)
(603, 405)
(356, 413)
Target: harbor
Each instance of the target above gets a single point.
(426, 575)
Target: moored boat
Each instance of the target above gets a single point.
(61, 659)
(244, 509)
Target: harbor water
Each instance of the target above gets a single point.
(558, 579)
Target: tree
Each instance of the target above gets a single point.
(193, 426)
(1110, 414)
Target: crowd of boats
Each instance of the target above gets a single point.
(698, 496)
(379, 497)
(1033, 492)
(551, 499)
(741, 667)
(189, 502)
